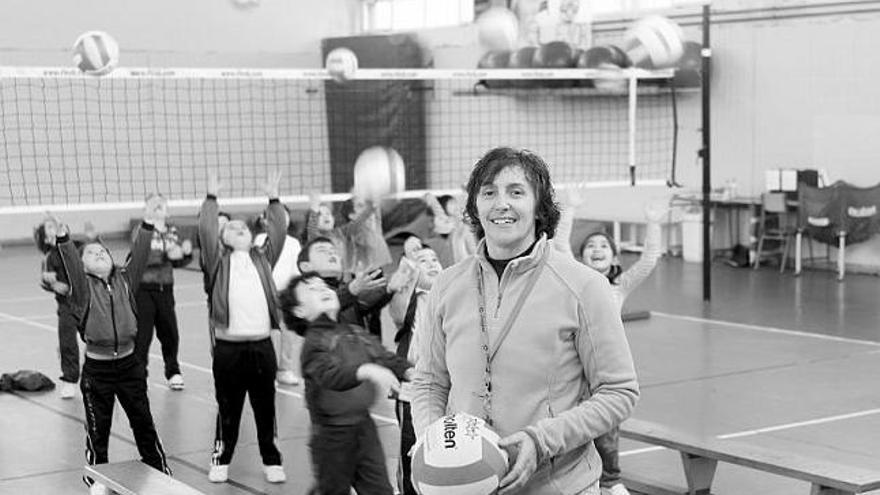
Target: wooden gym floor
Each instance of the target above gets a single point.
(786, 362)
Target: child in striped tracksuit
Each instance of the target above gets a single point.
(101, 298)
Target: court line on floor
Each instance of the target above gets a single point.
(184, 364)
(770, 429)
(761, 328)
(121, 438)
(740, 434)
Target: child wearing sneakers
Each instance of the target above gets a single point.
(101, 298)
(345, 369)
(285, 269)
(53, 278)
(428, 267)
(155, 295)
(242, 309)
(599, 252)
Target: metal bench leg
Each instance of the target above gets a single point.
(699, 473)
(817, 489)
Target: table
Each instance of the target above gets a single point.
(735, 205)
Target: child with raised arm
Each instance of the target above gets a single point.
(155, 295)
(345, 369)
(285, 269)
(599, 252)
(242, 308)
(53, 278)
(427, 267)
(363, 297)
(101, 299)
(359, 241)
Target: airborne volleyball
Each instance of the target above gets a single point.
(341, 63)
(378, 171)
(95, 53)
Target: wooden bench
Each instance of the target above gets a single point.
(701, 454)
(137, 478)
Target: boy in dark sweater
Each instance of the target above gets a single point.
(155, 295)
(101, 298)
(345, 369)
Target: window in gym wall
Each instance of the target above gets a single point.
(398, 15)
(616, 8)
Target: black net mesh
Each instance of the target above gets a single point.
(107, 140)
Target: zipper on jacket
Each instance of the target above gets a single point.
(113, 318)
(500, 285)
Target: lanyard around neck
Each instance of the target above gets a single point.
(490, 351)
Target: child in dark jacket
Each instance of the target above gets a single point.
(101, 298)
(345, 369)
(53, 278)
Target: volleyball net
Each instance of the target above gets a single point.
(70, 141)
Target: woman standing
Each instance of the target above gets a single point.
(525, 337)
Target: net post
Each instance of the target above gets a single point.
(631, 127)
(706, 55)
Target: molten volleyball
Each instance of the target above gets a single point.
(498, 29)
(378, 171)
(654, 42)
(458, 455)
(341, 63)
(95, 53)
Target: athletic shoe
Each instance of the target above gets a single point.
(176, 382)
(275, 474)
(218, 474)
(98, 489)
(68, 390)
(617, 489)
(287, 378)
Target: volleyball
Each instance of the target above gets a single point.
(498, 29)
(654, 42)
(95, 53)
(458, 455)
(341, 64)
(378, 171)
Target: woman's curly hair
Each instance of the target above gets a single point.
(538, 175)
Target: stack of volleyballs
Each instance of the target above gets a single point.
(654, 42)
(458, 455)
(378, 172)
(95, 53)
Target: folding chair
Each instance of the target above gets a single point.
(775, 224)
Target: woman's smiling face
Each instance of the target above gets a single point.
(506, 210)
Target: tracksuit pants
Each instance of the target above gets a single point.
(245, 369)
(407, 440)
(102, 383)
(348, 456)
(286, 344)
(68, 344)
(608, 446)
(155, 309)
